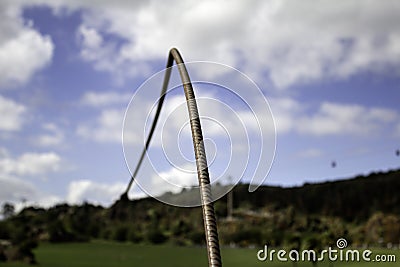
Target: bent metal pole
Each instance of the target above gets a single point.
(210, 222)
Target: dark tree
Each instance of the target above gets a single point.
(8, 210)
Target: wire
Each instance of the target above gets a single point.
(210, 222)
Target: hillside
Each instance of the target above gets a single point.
(365, 210)
(353, 199)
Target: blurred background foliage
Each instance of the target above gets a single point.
(364, 210)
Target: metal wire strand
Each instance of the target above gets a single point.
(210, 222)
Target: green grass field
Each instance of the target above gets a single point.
(102, 254)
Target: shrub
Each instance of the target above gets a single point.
(156, 236)
(121, 234)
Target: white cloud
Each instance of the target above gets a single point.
(53, 137)
(103, 193)
(108, 125)
(11, 114)
(23, 50)
(93, 47)
(284, 112)
(171, 180)
(96, 99)
(383, 114)
(13, 189)
(294, 42)
(107, 128)
(178, 178)
(104, 55)
(291, 41)
(91, 39)
(23, 193)
(333, 118)
(330, 118)
(310, 153)
(30, 164)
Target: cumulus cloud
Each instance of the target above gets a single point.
(95, 192)
(13, 189)
(292, 42)
(109, 122)
(331, 118)
(30, 164)
(23, 50)
(284, 112)
(107, 128)
(310, 153)
(172, 180)
(54, 136)
(18, 190)
(11, 114)
(96, 99)
(23, 193)
(104, 55)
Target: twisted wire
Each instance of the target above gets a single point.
(210, 222)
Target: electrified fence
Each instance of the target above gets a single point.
(210, 223)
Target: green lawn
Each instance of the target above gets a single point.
(102, 254)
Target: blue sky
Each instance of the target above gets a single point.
(68, 70)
